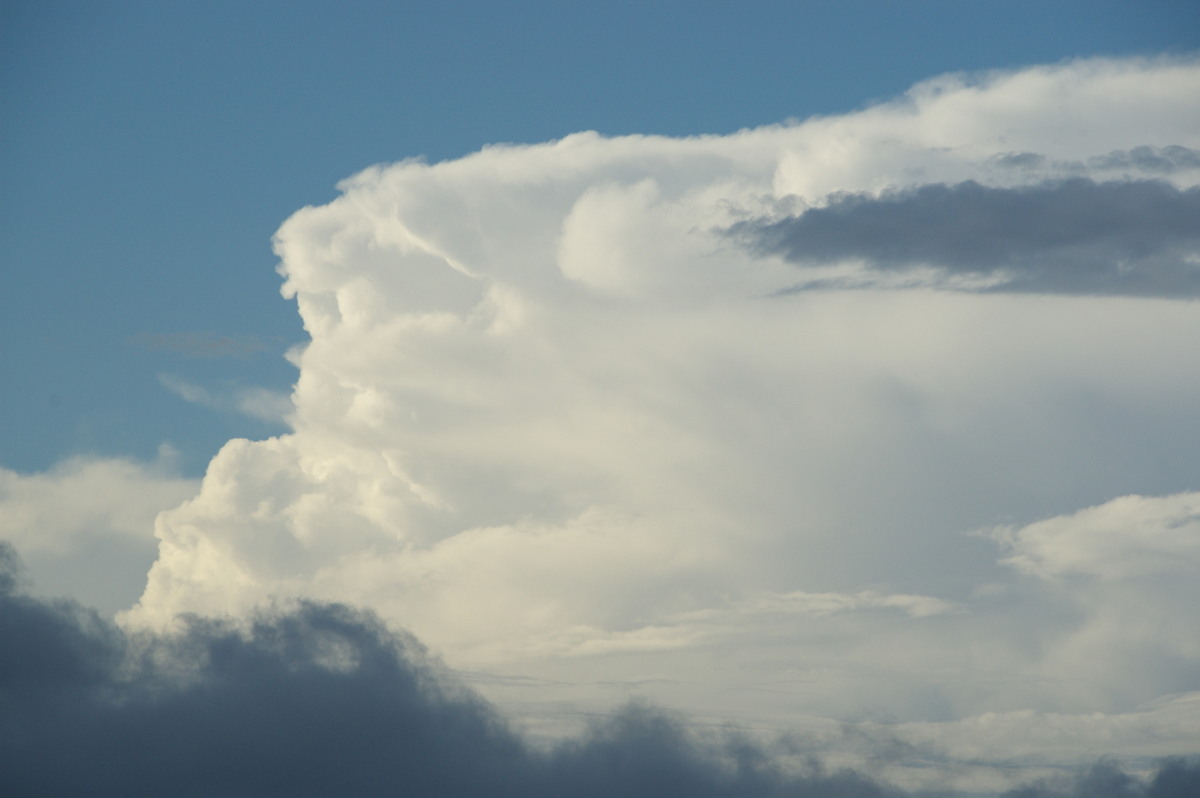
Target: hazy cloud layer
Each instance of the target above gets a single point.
(588, 447)
(1076, 236)
(324, 700)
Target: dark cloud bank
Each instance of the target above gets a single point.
(1075, 236)
(324, 701)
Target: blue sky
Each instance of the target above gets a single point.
(152, 149)
(838, 387)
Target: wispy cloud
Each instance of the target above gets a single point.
(202, 344)
(259, 403)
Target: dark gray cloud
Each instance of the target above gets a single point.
(1175, 778)
(1146, 158)
(319, 701)
(323, 700)
(1157, 160)
(1018, 160)
(1075, 236)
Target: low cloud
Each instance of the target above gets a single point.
(84, 498)
(86, 526)
(318, 700)
(324, 700)
(1154, 160)
(1075, 236)
(1175, 778)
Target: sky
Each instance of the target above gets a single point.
(800, 392)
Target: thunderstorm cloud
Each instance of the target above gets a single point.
(574, 414)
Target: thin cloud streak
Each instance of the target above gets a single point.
(259, 403)
(204, 344)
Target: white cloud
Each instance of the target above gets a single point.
(86, 527)
(1128, 537)
(558, 423)
(829, 603)
(1133, 564)
(979, 752)
(87, 497)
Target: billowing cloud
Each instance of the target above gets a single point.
(1074, 236)
(589, 447)
(87, 496)
(323, 700)
(86, 526)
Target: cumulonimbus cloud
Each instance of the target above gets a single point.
(558, 422)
